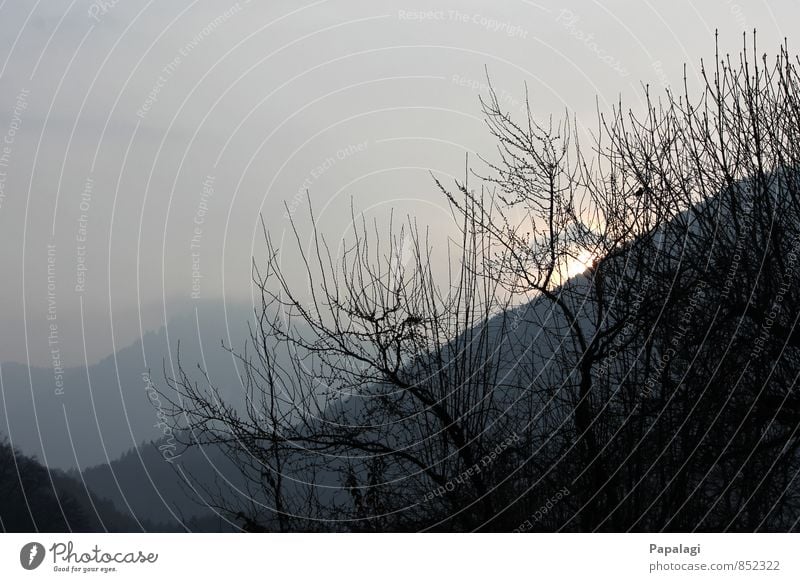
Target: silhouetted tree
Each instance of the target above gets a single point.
(655, 388)
(31, 499)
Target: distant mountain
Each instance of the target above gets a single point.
(99, 441)
(656, 392)
(165, 496)
(33, 498)
(659, 384)
(108, 408)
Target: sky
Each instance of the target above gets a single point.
(143, 142)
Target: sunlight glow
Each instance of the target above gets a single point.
(580, 264)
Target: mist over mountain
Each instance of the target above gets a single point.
(362, 267)
(160, 486)
(107, 409)
(165, 496)
(35, 498)
(604, 383)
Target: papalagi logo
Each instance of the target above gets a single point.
(31, 555)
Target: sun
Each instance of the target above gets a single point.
(580, 264)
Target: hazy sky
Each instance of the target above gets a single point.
(142, 140)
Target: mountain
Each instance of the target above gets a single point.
(165, 496)
(33, 498)
(113, 405)
(658, 388)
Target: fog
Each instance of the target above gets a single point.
(144, 141)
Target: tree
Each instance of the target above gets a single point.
(656, 386)
(32, 499)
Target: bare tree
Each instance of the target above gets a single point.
(618, 322)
